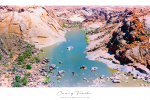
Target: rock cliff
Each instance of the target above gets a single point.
(130, 42)
(37, 24)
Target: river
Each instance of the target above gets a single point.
(73, 59)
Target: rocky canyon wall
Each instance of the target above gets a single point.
(36, 24)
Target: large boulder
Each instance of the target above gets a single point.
(135, 51)
(141, 68)
(116, 81)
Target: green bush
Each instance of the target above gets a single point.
(80, 27)
(14, 68)
(37, 59)
(24, 80)
(75, 26)
(64, 25)
(87, 43)
(32, 45)
(23, 66)
(29, 56)
(87, 40)
(74, 23)
(19, 63)
(28, 66)
(10, 56)
(32, 60)
(21, 58)
(28, 46)
(47, 79)
(9, 49)
(24, 62)
(28, 74)
(12, 72)
(8, 70)
(16, 84)
(96, 30)
(27, 53)
(18, 79)
(0, 56)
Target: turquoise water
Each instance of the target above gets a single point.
(72, 60)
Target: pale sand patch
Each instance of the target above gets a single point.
(76, 18)
(94, 25)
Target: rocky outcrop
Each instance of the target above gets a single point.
(130, 42)
(37, 24)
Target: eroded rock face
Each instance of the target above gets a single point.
(131, 43)
(35, 23)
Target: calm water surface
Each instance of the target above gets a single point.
(73, 59)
